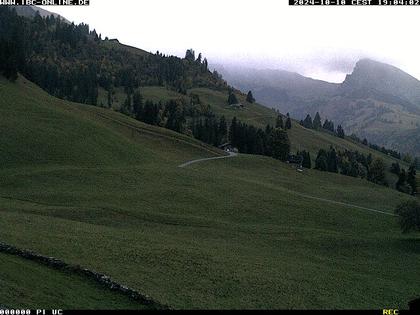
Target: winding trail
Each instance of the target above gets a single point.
(343, 204)
(231, 154)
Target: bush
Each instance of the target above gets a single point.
(409, 216)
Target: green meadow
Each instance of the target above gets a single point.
(95, 188)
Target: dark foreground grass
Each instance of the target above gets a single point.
(27, 284)
(232, 233)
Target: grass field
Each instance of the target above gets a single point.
(27, 284)
(95, 188)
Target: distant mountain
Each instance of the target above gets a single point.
(277, 88)
(30, 11)
(384, 78)
(377, 101)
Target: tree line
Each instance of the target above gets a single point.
(72, 62)
(390, 152)
(199, 121)
(317, 124)
(352, 163)
(329, 126)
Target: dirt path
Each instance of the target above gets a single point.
(342, 203)
(231, 154)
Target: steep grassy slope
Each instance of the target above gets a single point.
(95, 188)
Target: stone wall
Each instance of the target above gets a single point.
(102, 279)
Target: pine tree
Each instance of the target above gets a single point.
(411, 178)
(205, 65)
(288, 122)
(250, 98)
(307, 123)
(332, 161)
(328, 125)
(317, 122)
(222, 128)
(280, 144)
(127, 108)
(233, 132)
(340, 132)
(138, 105)
(321, 162)
(306, 162)
(190, 55)
(279, 122)
(199, 58)
(232, 98)
(175, 116)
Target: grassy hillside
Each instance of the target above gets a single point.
(29, 285)
(95, 188)
(259, 116)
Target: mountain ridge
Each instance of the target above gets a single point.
(377, 100)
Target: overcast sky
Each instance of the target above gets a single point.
(320, 42)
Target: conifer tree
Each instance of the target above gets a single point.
(233, 132)
(317, 122)
(232, 98)
(138, 105)
(250, 98)
(127, 107)
(288, 122)
(190, 55)
(340, 132)
(411, 178)
(307, 123)
(280, 144)
(279, 122)
(332, 161)
(321, 162)
(222, 129)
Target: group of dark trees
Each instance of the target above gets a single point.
(351, 163)
(328, 125)
(11, 44)
(407, 182)
(306, 158)
(199, 120)
(250, 98)
(170, 115)
(317, 124)
(232, 99)
(408, 214)
(281, 124)
(375, 147)
(271, 141)
(72, 62)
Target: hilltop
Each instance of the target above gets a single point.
(31, 11)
